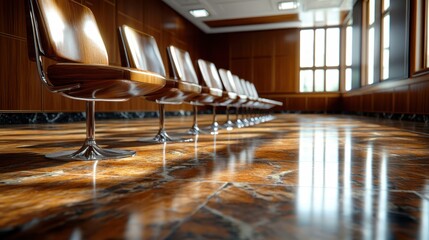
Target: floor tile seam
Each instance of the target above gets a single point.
(198, 208)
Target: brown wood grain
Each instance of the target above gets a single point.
(263, 74)
(21, 89)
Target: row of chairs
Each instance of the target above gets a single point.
(67, 32)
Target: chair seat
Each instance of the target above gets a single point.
(271, 102)
(232, 95)
(174, 92)
(207, 96)
(215, 92)
(103, 82)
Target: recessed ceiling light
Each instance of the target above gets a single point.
(198, 13)
(287, 5)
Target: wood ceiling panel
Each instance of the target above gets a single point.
(253, 20)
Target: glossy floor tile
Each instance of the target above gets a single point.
(295, 177)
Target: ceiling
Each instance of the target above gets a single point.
(250, 15)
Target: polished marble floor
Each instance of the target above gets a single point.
(296, 177)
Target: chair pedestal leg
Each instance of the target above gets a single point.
(228, 125)
(195, 130)
(238, 121)
(90, 150)
(162, 136)
(243, 115)
(214, 127)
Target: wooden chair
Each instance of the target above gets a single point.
(226, 77)
(243, 101)
(265, 103)
(140, 51)
(211, 78)
(67, 32)
(182, 68)
(253, 103)
(257, 104)
(231, 84)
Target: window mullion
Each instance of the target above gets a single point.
(314, 60)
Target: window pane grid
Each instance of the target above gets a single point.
(427, 35)
(320, 55)
(332, 47)
(348, 82)
(386, 4)
(371, 12)
(371, 55)
(306, 48)
(320, 47)
(386, 46)
(349, 39)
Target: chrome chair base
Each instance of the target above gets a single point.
(239, 123)
(229, 125)
(213, 128)
(245, 122)
(163, 137)
(195, 130)
(90, 151)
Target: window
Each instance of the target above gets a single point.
(319, 60)
(419, 47)
(348, 75)
(385, 44)
(371, 42)
(427, 35)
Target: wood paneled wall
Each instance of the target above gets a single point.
(20, 88)
(409, 96)
(270, 59)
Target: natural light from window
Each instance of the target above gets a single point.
(348, 75)
(385, 40)
(371, 39)
(306, 49)
(332, 47)
(319, 60)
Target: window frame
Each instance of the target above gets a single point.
(348, 25)
(324, 67)
(384, 13)
(419, 58)
(370, 26)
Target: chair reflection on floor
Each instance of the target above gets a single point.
(82, 70)
(140, 51)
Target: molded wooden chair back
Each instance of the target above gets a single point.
(66, 31)
(181, 65)
(210, 74)
(255, 93)
(238, 86)
(140, 50)
(227, 80)
(245, 88)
